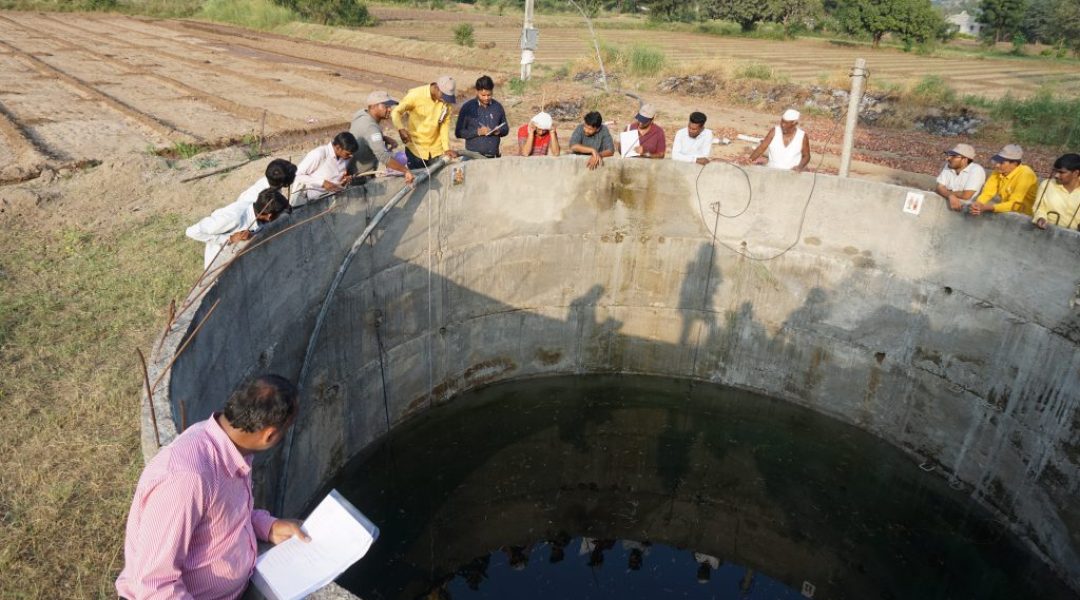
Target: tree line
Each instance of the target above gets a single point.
(1055, 22)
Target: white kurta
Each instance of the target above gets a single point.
(223, 222)
(321, 164)
(789, 156)
(688, 149)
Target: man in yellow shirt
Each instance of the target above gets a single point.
(1010, 188)
(1058, 201)
(422, 119)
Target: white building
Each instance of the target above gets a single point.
(965, 24)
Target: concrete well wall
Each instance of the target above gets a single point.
(952, 338)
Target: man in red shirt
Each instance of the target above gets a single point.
(192, 530)
(651, 140)
(538, 137)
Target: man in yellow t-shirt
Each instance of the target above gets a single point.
(1010, 188)
(1058, 201)
(422, 119)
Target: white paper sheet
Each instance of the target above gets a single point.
(628, 141)
(340, 535)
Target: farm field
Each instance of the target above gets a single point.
(75, 91)
(803, 60)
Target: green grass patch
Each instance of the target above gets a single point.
(74, 305)
(185, 150)
(1041, 119)
(517, 86)
(645, 60)
(254, 14)
(755, 71)
(932, 90)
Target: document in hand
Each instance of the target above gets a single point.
(628, 142)
(340, 536)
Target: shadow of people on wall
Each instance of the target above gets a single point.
(699, 286)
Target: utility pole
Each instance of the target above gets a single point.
(858, 81)
(530, 38)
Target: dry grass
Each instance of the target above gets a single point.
(461, 55)
(74, 305)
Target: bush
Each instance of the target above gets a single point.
(932, 90)
(517, 86)
(755, 71)
(645, 60)
(257, 14)
(331, 12)
(1041, 119)
(463, 35)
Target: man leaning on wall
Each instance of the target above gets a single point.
(423, 121)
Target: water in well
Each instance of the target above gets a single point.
(638, 488)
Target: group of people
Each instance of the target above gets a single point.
(1012, 186)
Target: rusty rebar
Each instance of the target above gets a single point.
(149, 396)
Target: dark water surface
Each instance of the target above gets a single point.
(637, 488)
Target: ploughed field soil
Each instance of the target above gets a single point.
(76, 89)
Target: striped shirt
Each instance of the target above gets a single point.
(191, 530)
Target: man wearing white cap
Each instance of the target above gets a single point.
(426, 133)
(652, 142)
(787, 144)
(1011, 187)
(538, 137)
(373, 147)
(962, 177)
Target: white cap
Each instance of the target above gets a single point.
(790, 115)
(542, 120)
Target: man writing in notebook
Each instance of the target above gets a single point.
(191, 532)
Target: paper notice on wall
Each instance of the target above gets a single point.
(913, 203)
(340, 535)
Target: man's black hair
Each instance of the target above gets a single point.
(346, 141)
(698, 118)
(594, 119)
(271, 202)
(268, 401)
(484, 83)
(280, 173)
(1069, 162)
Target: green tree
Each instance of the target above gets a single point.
(910, 20)
(331, 12)
(1001, 19)
(746, 13)
(1067, 24)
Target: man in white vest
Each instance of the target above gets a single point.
(787, 144)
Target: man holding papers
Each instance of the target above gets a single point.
(191, 532)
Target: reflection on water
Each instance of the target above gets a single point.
(589, 568)
(629, 487)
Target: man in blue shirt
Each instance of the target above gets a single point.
(482, 121)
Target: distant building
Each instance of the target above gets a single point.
(965, 24)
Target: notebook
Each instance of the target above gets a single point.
(340, 535)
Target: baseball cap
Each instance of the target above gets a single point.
(646, 113)
(1011, 152)
(542, 120)
(447, 88)
(790, 115)
(380, 97)
(964, 150)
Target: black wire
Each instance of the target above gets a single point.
(750, 198)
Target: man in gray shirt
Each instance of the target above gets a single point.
(373, 146)
(592, 138)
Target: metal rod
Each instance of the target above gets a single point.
(858, 81)
(149, 396)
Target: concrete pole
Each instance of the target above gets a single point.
(858, 83)
(526, 68)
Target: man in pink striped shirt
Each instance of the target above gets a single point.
(192, 530)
